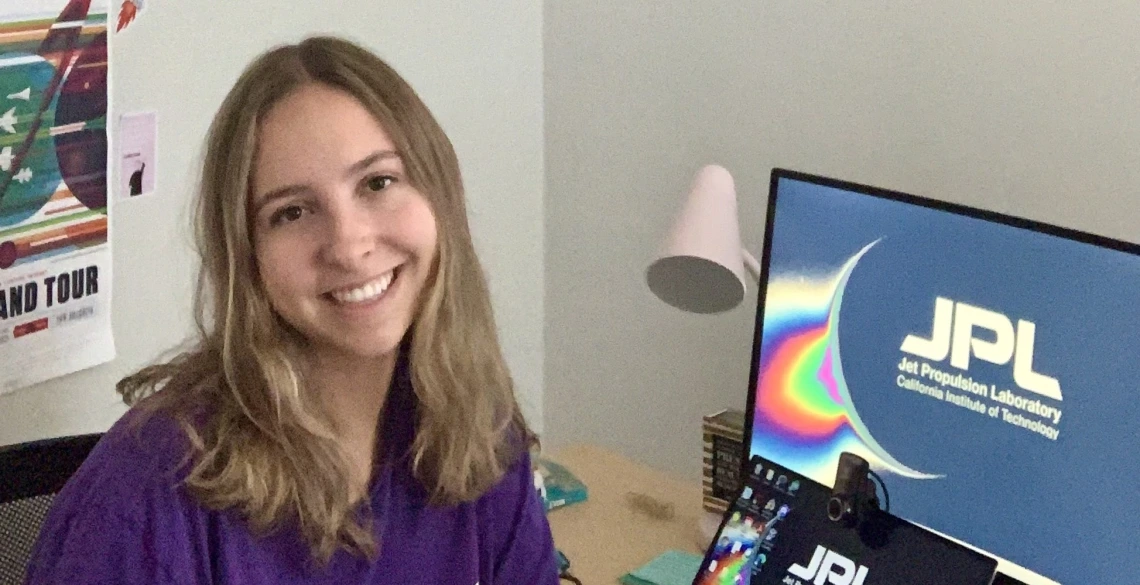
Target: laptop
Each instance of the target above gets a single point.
(777, 532)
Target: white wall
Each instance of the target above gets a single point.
(1028, 108)
(477, 65)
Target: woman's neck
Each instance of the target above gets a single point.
(353, 392)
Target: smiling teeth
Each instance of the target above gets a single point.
(367, 292)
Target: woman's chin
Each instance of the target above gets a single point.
(370, 347)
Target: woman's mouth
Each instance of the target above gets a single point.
(369, 291)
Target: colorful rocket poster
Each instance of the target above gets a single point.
(55, 255)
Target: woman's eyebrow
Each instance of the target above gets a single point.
(362, 164)
(280, 193)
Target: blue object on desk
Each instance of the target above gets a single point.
(669, 568)
(557, 486)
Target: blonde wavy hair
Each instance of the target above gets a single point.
(264, 447)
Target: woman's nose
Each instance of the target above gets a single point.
(350, 237)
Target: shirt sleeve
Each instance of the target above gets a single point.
(117, 520)
(100, 547)
(523, 551)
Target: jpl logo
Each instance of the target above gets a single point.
(953, 335)
(828, 567)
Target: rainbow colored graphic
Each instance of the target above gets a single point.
(735, 553)
(731, 570)
(804, 416)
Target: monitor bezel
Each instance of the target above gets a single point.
(892, 195)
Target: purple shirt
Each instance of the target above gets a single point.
(124, 519)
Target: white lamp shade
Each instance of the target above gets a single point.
(701, 269)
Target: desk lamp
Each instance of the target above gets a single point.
(702, 265)
(701, 268)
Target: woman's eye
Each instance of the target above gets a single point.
(286, 214)
(379, 182)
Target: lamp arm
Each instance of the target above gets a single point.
(751, 264)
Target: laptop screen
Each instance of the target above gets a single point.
(778, 532)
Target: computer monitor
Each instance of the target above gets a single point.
(985, 365)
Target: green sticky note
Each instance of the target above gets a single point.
(670, 568)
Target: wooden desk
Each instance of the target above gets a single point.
(605, 537)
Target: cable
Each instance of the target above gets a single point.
(886, 494)
(564, 568)
(566, 576)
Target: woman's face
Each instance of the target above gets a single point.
(344, 243)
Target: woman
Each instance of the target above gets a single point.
(347, 416)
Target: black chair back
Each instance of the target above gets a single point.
(31, 474)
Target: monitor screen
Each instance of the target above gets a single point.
(777, 532)
(984, 365)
